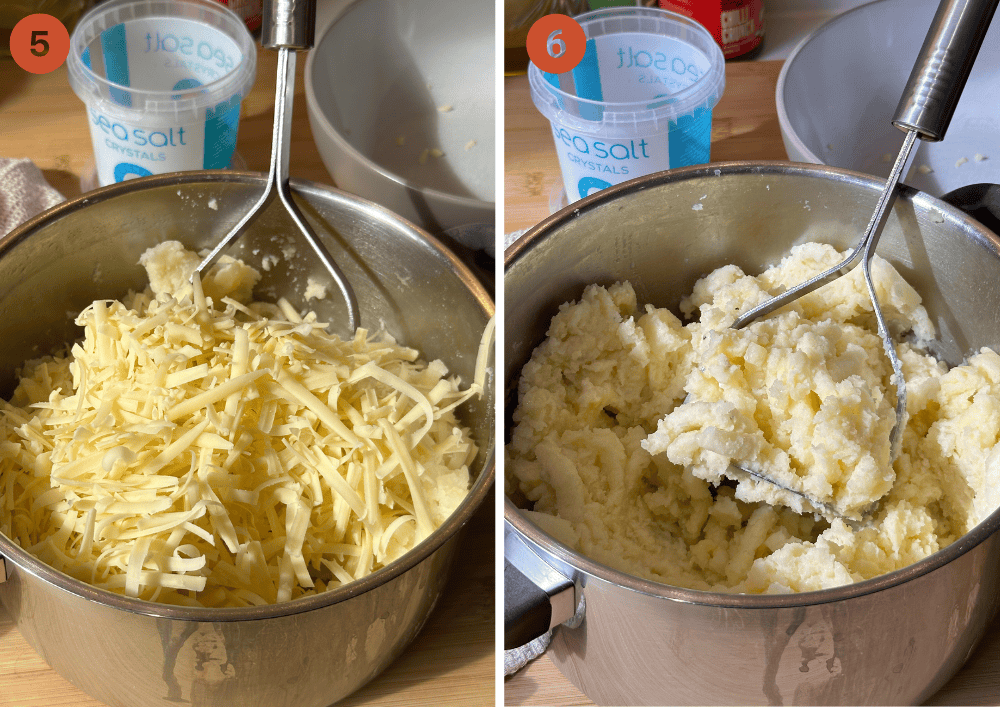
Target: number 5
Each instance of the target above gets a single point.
(554, 43)
(37, 41)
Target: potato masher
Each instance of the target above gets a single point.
(289, 26)
(925, 109)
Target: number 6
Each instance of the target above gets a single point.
(553, 42)
(556, 43)
(36, 40)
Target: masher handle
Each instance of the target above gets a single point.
(943, 66)
(289, 24)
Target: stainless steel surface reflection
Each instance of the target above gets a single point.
(892, 640)
(306, 653)
(308, 658)
(894, 646)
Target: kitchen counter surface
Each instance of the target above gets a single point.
(452, 660)
(744, 127)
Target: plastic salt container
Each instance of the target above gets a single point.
(639, 102)
(163, 83)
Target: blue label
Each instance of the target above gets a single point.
(124, 170)
(589, 184)
(691, 138)
(115, 49)
(587, 77)
(221, 124)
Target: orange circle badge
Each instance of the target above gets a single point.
(39, 43)
(556, 43)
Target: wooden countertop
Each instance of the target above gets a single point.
(744, 127)
(452, 661)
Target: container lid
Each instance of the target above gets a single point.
(125, 57)
(643, 68)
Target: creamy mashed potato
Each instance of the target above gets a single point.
(804, 398)
(613, 462)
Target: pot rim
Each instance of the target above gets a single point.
(479, 491)
(552, 548)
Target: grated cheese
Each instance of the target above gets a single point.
(196, 449)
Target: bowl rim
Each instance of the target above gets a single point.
(784, 122)
(478, 492)
(314, 109)
(579, 563)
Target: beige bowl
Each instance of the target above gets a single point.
(374, 85)
(838, 90)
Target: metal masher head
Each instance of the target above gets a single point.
(925, 110)
(862, 253)
(289, 26)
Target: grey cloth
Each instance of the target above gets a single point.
(23, 193)
(509, 238)
(517, 658)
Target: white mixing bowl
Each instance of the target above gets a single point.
(839, 88)
(388, 85)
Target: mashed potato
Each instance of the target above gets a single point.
(614, 463)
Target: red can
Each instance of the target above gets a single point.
(737, 25)
(248, 10)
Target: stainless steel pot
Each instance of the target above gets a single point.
(308, 652)
(895, 639)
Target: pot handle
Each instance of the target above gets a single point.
(980, 201)
(536, 597)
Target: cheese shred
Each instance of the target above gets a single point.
(194, 449)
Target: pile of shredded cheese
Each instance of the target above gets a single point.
(196, 450)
